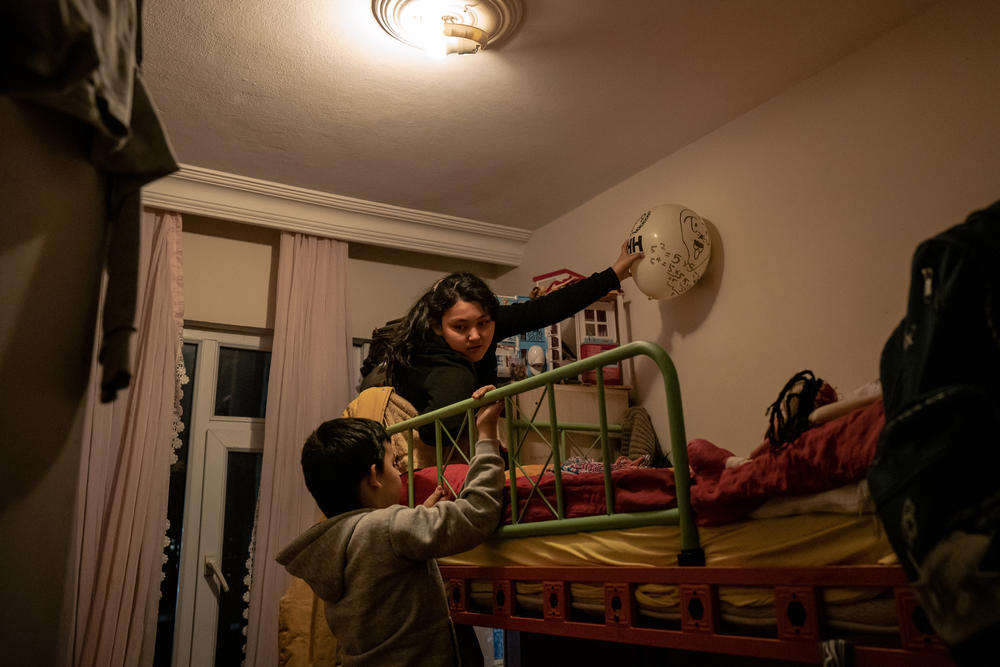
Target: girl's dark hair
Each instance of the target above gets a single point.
(337, 456)
(790, 413)
(411, 332)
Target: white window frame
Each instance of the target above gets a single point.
(194, 633)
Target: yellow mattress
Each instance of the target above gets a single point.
(794, 541)
(802, 541)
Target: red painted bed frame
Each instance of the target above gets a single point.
(800, 629)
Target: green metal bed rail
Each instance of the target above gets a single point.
(691, 552)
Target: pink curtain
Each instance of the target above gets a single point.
(121, 507)
(309, 383)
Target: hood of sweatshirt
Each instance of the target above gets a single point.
(319, 555)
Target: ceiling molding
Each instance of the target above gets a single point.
(225, 196)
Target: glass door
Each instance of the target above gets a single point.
(213, 500)
(233, 458)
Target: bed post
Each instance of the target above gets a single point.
(691, 552)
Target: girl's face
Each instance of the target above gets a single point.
(467, 328)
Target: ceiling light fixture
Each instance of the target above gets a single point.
(446, 27)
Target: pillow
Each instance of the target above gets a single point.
(825, 413)
(425, 481)
(640, 437)
(861, 396)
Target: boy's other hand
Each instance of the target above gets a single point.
(486, 419)
(440, 493)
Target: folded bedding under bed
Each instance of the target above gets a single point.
(793, 541)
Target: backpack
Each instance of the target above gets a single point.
(373, 368)
(936, 474)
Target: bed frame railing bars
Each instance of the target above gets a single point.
(554, 433)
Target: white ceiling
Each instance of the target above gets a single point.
(313, 94)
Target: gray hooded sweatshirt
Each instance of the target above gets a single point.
(375, 569)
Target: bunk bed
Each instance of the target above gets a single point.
(737, 557)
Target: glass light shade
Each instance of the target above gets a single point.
(444, 27)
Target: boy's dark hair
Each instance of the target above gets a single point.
(337, 456)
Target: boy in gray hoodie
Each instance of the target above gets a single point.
(372, 561)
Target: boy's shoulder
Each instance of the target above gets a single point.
(324, 534)
(373, 516)
(339, 534)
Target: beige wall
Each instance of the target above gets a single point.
(230, 276)
(229, 272)
(385, 282)
(817, 199)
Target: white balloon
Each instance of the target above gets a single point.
(678, 246)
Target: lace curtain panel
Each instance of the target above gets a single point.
(121, 508)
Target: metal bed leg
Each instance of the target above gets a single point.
(691, 557)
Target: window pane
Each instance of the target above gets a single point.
(242, 483)
(241, 390)
(175, 516)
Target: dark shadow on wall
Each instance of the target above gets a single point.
(684, 314)
(50, 243)
(52, 231)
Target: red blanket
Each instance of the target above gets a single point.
(826, 457)
(823, 458)
(635, 490)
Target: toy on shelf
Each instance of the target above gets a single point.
(553, 280)
(597, 331)
(524, 355)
